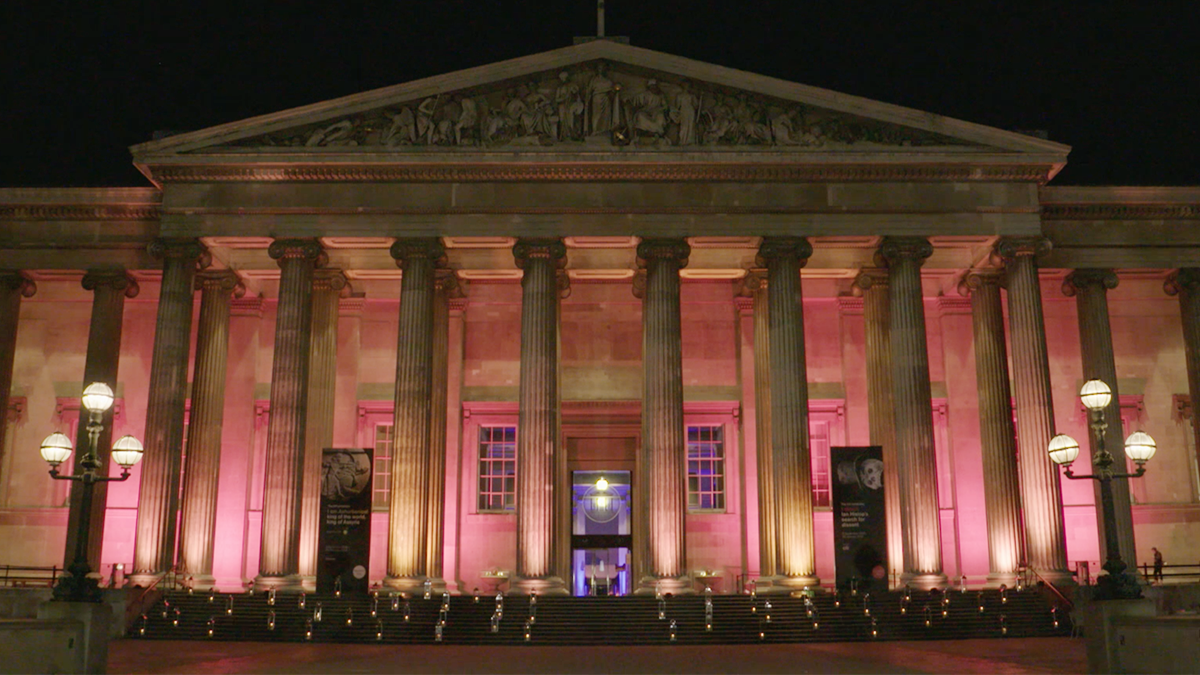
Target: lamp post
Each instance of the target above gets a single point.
(1139, 447)
(77, 586)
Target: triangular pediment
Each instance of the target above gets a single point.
(600, 96)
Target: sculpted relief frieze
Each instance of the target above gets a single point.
(597, 105)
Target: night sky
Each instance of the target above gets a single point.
(81, 81)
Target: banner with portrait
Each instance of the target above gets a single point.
(344, 539)
(859, 517)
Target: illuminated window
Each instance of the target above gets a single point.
(706, 467)
(381, 489)
(497, 468)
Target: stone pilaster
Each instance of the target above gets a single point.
(1185, 283)
(920, 524)
(768, 544)
(109, 290)
(407, 508)
(790, 459)
(446, 287)
(1090, 288)
(1041, 496)
(661, 462)
(328, 288)
(158, 498)
(279, 564)
(1001, 486)
(13, 287)
(540, 460)
(197, 526)
(877, 317)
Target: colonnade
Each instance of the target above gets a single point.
(1023, 501)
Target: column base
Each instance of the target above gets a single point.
(200, 582)
(291, 583)
(924, 582)
(416, 587)
(783, 585)
(143, 579)
(998, 579)
(665, 586)
(1059, 578)
(539, 585)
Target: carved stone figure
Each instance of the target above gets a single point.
(684, 112)
(468, 120)
(425, 123)
(570, 107)
(600, 94)
(647, 114)
(337, 134)
(403, 130)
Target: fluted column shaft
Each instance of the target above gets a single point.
(279, 563)
(877, 317)
(662, 457)
(407, 507)
(446, 286)
(154, 546)
(913, 409)
(322, 382)
(13, 287)
(1090, 288)
(538, 485)
(790, 458)
(1001, 486)
(767, 520)
(109, 289)
(1186, 284)
(1041, 495)
(202, 467)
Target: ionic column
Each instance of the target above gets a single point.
(920, 524)
(662, 457)
(158, 498)
(540, 460)
(327, 289)
(783, 257)
(767, 519)
(407, 508)
(13, 287)
(1001, 487)
(197, 526)
(109, 290)
(446, 286)
(279, 565)
(1041, 497)
(877, 316)
(1090, 288)
(1186, 284)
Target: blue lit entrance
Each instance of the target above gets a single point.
(600, 536)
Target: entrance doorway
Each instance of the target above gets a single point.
(600, 534)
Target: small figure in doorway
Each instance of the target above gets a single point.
(1158, 565)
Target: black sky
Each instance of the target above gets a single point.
(81, 81)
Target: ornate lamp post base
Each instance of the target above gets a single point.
(1118, 584)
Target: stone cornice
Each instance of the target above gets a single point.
(150, 212)
(485, 171)
(1121, 211)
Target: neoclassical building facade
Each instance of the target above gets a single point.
(599, 262)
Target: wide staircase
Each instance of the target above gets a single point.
(517, 620)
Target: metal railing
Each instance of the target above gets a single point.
(20, 575)
(1172, 574)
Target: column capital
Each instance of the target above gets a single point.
(167, 248)
(293, 249)
(868, 278)
(405, 250)
(447, 280)
(975, 280)
(331, 280)
(1082, 278)
(16, 281)
(527, 249)
(755, 280)
(1184, 278)
(1010, 248)
(220, 281)
(118, 280)
(894, 249)
(663, 249)
(776, 247)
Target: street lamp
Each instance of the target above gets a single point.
(76, 586)
(1139, 447)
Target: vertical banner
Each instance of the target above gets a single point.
(859, 520)
(344, 543)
